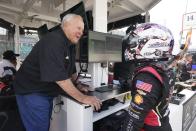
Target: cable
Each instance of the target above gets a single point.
(102, 77)
(57, 104)
(103, 68)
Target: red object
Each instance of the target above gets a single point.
(110, 77)
(152, 119)
(2, 85)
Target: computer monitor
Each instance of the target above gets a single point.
(194, 67)
(123, 70)
(82, 50)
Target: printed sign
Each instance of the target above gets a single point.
(189, 21)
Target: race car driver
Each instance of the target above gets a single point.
(153, 81)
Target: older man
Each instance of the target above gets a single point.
(47, 71)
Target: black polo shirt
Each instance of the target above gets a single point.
(51, 59)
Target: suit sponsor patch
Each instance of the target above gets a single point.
(136, 106)
(133, 115)
(141, 92)
(143, 86)
(138, 99)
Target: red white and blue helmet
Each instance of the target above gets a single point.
(148, 41)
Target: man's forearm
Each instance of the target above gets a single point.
(70, 89)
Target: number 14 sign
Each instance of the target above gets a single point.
(189, 21)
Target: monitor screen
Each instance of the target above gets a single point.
(82, 50)
(194, 67)
(123, 70)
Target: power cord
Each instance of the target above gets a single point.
(57, 110)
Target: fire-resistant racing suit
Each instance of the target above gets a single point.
(151, 90)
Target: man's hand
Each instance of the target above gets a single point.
(71, 90)
(93, 101)
(193, 84)
(192, 72)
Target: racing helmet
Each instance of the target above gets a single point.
(148, 41)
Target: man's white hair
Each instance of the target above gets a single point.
(68, 17)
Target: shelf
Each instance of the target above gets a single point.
(112, 109)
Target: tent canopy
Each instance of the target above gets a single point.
(34, 13)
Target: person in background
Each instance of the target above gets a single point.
(47, 71)
(8, 105)
(8, 63)
(153, 79)
(184, 66)
(7, 73)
